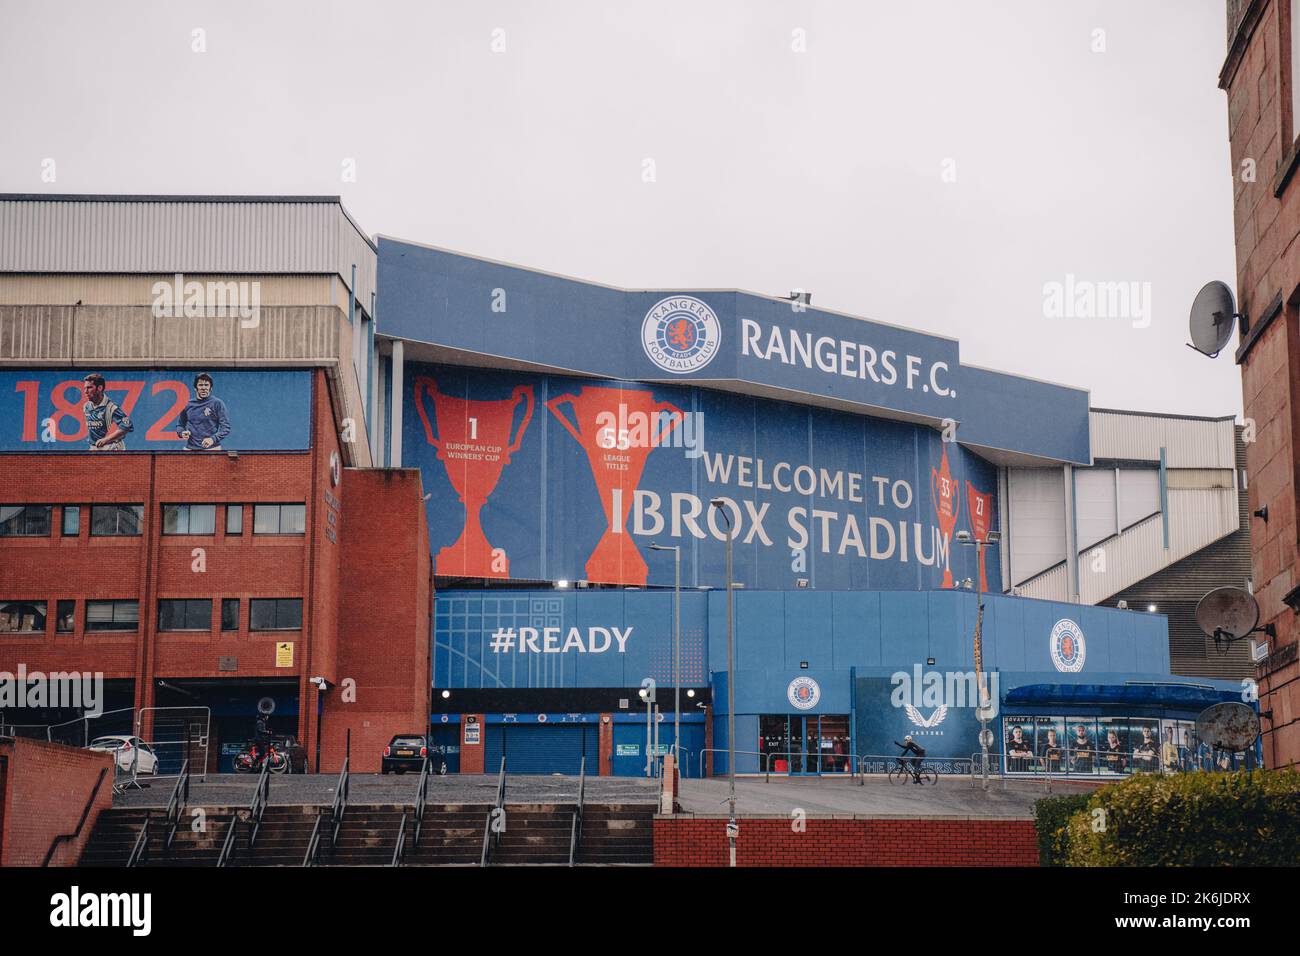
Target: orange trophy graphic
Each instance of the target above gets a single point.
(618, 458)
(979, 512)
(474, 444)
(943, 492)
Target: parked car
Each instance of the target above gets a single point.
(407, 752)
(131, 752)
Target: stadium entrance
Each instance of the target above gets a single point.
(805, 744)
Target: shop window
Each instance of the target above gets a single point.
(189, 519)
(23, 617)
(112, 615)
(25, 521)
(113, 520)
(279, 519)
(185, 615)
(275, 614)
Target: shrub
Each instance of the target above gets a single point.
(1246, 818)
(1051, 820)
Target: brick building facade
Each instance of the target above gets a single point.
(1259, 77)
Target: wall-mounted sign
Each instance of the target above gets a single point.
(1067, 647)
(472, 731)
(803, 693)
(284, 653)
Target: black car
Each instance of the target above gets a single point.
(408, 751)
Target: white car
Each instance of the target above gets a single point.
(131, 752)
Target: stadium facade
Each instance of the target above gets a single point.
(444, 491)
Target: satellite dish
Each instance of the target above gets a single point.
(1210, 324)
(1230, 726)
(1228, 613)
(266, 706)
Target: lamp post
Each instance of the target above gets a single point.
(676, 549)
(981, 710)
(732, 829)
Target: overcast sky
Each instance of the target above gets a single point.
(929, 165)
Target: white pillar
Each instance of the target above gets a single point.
(395, 398)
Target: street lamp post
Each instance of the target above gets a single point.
(981, 710)
(733, 829)
(677, 645)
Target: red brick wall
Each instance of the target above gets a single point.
(1256, 78)
(385, 590)
(699, 841)
(473, 756)
(45, 788)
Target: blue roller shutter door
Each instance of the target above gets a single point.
(543, 748)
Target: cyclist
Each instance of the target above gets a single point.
(911, 746)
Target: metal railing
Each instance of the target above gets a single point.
(850, 761)
(85, 813)
(491, 838)
(171, 819)
(723, 750)
(421, 795)
(335, 816)
(255, 816)
(575, 831)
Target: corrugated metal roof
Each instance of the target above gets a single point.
(1188, 442)
(186, 234)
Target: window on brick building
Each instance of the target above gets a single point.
(23, 617)
(279, 519)
(112, 615)
(185, 614)
(71, 526)
(116, 519)
(189, 519)
(275, 614)
(65, 616)
(234, 519)
(230, 614)
(24, 521)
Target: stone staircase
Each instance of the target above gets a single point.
(452, 834)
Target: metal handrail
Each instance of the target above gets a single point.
(85, 813)
(260, 799)
(421, 794)
(723, 750)
(490, 840)
(313, 843)
(851, 762)
(176, 805)
(141, 848)
(340, 800)
(255, 809)
(575, 831)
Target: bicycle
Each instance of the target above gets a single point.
(902, 772)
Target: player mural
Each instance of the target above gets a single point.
(581, 492)
(204, 421)
(153, 410)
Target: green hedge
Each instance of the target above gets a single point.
(1051, 819)
(1246, 818)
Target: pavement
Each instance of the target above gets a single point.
(236, 790)
(952, 797)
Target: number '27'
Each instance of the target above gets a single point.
(68, 399)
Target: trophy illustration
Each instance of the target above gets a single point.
(979, 512)
(474, 444)
(617, 464)
(943, 492)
